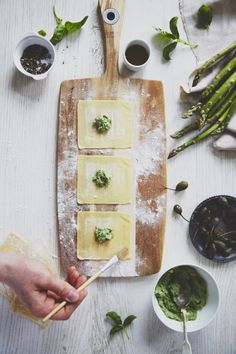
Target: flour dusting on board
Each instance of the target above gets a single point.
(66, 195)
(150, 152)
(151, 210)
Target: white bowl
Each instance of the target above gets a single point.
(143, 44)
(204, 316)
(27, 40)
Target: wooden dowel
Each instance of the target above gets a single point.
(63, 303)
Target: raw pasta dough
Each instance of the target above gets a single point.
(89, 248)
(118, 191)
(120, 133)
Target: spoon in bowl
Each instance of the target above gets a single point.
(182, 301)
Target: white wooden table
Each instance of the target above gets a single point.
(28, 128)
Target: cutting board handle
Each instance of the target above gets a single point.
(111, 12)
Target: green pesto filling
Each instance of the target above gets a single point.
(103, 234)
(102, 123)
(177, 280)
(101, 179)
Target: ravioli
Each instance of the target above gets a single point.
(120, 133)
(89, 248)
(118, 169)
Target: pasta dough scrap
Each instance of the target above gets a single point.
(120, 133)
(34, 249)
(89, 248)
(118, 191)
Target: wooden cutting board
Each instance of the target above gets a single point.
(149, 152)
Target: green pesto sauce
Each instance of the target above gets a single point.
(101, 179)
(103, 234)
(172, 284)
(102, 123)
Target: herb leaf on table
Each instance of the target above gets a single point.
(75, 26)
(62, 29)
(115, 317)
(172, 37)
(173, 26)
(168, 49)
(119, 325)
(129, 320)
(59, 33)
(204, 16)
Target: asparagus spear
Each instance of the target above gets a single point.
(210, 118)
(188, 128)
(193, 109)
(219, 94)
(212, 61)
(221, 106)
(220, 124)
(230, 66)
(221, 76)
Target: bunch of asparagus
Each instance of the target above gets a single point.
(216, 104)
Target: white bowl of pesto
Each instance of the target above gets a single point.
(203, 293)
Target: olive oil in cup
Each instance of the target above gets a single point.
(136, 55)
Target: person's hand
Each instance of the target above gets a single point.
(40, 291)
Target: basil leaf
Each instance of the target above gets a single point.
(59, 20)
(114, 316)
(115, 329)
(128, 320)
(59, 33)
(168, 49)
(75, 26)
(42, 33)
(173, 26)
(164, 34)
(205, 15)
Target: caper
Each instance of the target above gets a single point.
(220, 245)
(178, 209)
(227, 252)
(181, 186)
(223, 202)
(211, 251)
(204, 231)
(207, 240)
(215, 221)
(206, 221)
(218, 231)
(204, 211)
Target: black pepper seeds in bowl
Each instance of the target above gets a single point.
(36, 59)
(212, 228)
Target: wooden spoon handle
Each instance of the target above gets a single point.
(111, 32)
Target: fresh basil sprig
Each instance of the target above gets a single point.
(62, 30)
(204, 16)
(172, 37)
(119, 325)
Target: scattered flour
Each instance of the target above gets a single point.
(150, 152)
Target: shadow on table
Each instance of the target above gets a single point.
(224, 7)
(26, 86)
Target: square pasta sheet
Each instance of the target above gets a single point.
(120, 133)
(89, 248)
(118, 191)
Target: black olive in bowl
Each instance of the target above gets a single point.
(212, 228)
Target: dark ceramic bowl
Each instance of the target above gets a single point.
(226, 222)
